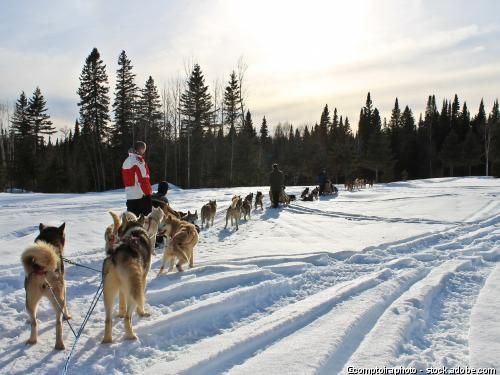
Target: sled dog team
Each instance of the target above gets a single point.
(129, 249)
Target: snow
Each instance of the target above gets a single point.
(401, 274)
(485, 325)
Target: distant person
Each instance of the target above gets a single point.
(161, 194)
(135, 175)
(276, 180)
(322, 181)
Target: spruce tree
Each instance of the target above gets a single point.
(94, 115)
(408, 148)
(20, 122)
(264, 131)
(248, 129)
(125, 106)
(365, 125)
(94, 99)
(471, 151)
(394, 123)
(232, 116)
(196, 108)
(489, 135)
(450, 152)
(149, 112)
(39, 119)
(324, 122)
(23, 168)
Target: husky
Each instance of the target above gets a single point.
(249, 198)
(234, 211)
(183, 238)
(308, 198)
(315, 193)
(151, 223)
(284, 198)
(208, 213)
(166, 208)
(258, 200)
(190, 217)
(44, 276)
(125, 271)
(246, 207)
(304, 193)
(111, 233)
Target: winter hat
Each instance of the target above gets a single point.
(163, 188)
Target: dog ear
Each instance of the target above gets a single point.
(196, 212)
(41, 227)
(189, 212)
(61, 228)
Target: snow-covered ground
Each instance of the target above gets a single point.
(403, 274)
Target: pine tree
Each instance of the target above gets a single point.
(365, 125)
(450, 152)
(455, 114)
(464, 122)
(20, 121)
(232, 116)
(471, 151)
(94, 114)
(264, 131)
(248, 129)
(125, 106)
(39, 119)
(429, 130)
(94, 100)
(324, 122)
(394, 123)
(491, 128)
(149, 112)
(408, 148)
(23, 169)
(196, 106)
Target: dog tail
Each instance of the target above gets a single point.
(116, 221)
(40, 256)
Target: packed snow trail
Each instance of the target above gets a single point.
(401, 274)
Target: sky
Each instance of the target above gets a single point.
(300, 55)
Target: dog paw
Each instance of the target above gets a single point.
(67, 317)
(144, 314)
(107, 340)
(131, 337)
(59, 346)
(31, 342)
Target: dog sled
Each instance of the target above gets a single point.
(329, 189)
(284, 197)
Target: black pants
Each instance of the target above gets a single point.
(276, 198)
(140, 206)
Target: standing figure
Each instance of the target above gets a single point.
(276, 180)
(135, 175)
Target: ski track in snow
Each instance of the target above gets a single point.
(281, 294)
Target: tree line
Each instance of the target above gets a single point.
(199, 136)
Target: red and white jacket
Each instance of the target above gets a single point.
(135, 175)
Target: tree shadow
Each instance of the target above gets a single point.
(329, 197)
(271, 213)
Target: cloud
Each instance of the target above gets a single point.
(300, 55)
